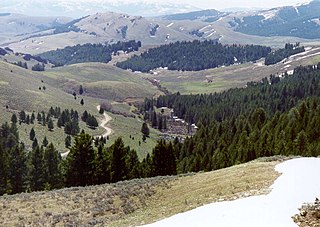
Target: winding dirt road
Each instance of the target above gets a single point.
(103, 123)
(107, 118)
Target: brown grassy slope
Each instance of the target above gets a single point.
(138, 201)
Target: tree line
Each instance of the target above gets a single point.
(88, 163)
(272, 94)
(272, 117)
(283, 53)
(194, 56)
(88, 52)
(277, 116)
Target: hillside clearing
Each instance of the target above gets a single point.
(137, 202)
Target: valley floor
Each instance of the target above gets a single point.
(297, 184)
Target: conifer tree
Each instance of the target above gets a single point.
(37, 171)
(50, 125)
(52, 161)
(32, 134)
(80, 162)
(118, 161)
(45, 141)
(14, 118)
(4, 170)
(17, 170)
(145, 129)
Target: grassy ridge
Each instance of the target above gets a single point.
(137, 202)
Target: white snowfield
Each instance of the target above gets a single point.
(299, 183)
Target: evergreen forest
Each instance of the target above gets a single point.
(88, 53)
(277, 116)
(194, 56)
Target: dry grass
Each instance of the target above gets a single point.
(138, 201)
(190, 192)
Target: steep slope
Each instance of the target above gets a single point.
(299, 21)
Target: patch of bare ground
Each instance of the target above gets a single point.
(137, 202)
(309, 215)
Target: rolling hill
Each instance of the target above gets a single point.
(289, 24)
(209, 15)
(17, 26)
(102, 28)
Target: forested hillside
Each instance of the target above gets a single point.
(88, 53)
(194, 56)
(280, 54)
(275, 116)
(272, 94)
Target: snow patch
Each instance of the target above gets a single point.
(269, 14)
(296, 9)
(298, 184)
(316, 21)
(169, 25)
(200, 30)
(211, 34)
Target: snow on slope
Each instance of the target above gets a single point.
(299, 183)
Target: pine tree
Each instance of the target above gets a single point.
(81, 90)
(32, 118)
(102, 164)
(22, 116)
(27, 119)
(154, 120)
(17, 170)
(118, 161)
(32, 134)
(163, 159)
(80, 162)
(82, 102)
(50, 125)
(4, 170)
(45, 141)
(35, 143)
(14, 119)
(145, 129)
(39, 118)
(52, 161)
(37, 171)
(101, 110)
(67, 141)
(85, 116)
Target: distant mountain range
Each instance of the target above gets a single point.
(299, 21)
(209, 15)
(80, 8)
(34, 35)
